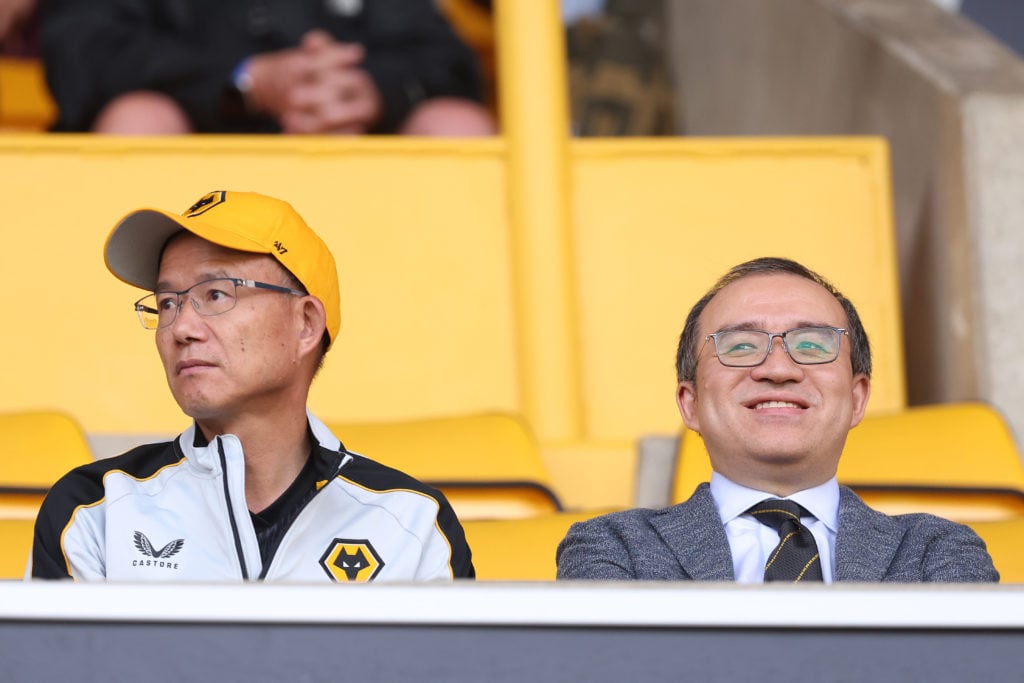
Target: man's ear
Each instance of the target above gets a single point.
(686, 399)
(861, 394)
(314, 323)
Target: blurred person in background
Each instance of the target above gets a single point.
(619, 82)
(344, 67)
(18, 19)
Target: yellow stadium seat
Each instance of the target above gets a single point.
(518, 549)
(25, 102)
(39, 447)
(487, 465)
(692, 465)
(956, 460)
(1003, 538)
(15, 544)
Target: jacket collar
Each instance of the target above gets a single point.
(696, 535)
(867, 540)
(205, 457)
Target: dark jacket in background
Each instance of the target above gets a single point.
(95, 50)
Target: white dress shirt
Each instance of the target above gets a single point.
(752, 542)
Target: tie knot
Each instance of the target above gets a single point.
(796, 557)
(776, 512)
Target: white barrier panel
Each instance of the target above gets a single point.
(510, 632)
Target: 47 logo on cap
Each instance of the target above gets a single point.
(351, 561)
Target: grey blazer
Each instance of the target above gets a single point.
(687, 542)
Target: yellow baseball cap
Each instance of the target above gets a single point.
(245, 221)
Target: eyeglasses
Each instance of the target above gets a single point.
(749, 348)
(209, 297)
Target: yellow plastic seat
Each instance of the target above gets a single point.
(38, 448)
(488, 466)
(519, 549)
(15, 545)
(25, 102)
(956, 460)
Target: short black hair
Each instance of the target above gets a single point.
(686, 353)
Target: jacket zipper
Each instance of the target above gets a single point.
(231, 510)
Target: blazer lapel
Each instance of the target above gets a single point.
(695, 534)
(866, 542)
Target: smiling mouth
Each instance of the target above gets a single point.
(776, 404)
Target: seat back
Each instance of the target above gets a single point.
(693, 465)
(15, 545)
(955, 460)
(488, 465)
(25, 102)
(39, 447)
(519, 549)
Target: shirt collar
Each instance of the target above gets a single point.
(733, 499)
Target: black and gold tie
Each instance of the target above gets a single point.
(796, 557)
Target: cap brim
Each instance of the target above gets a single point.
(133, 249)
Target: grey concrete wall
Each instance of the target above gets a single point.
(950, 100)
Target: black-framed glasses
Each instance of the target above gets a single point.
(749, 348)
(209, 297)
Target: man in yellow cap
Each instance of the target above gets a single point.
(244, 304)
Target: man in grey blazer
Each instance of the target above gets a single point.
(773, 371)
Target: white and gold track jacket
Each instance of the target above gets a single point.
(176, 511)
